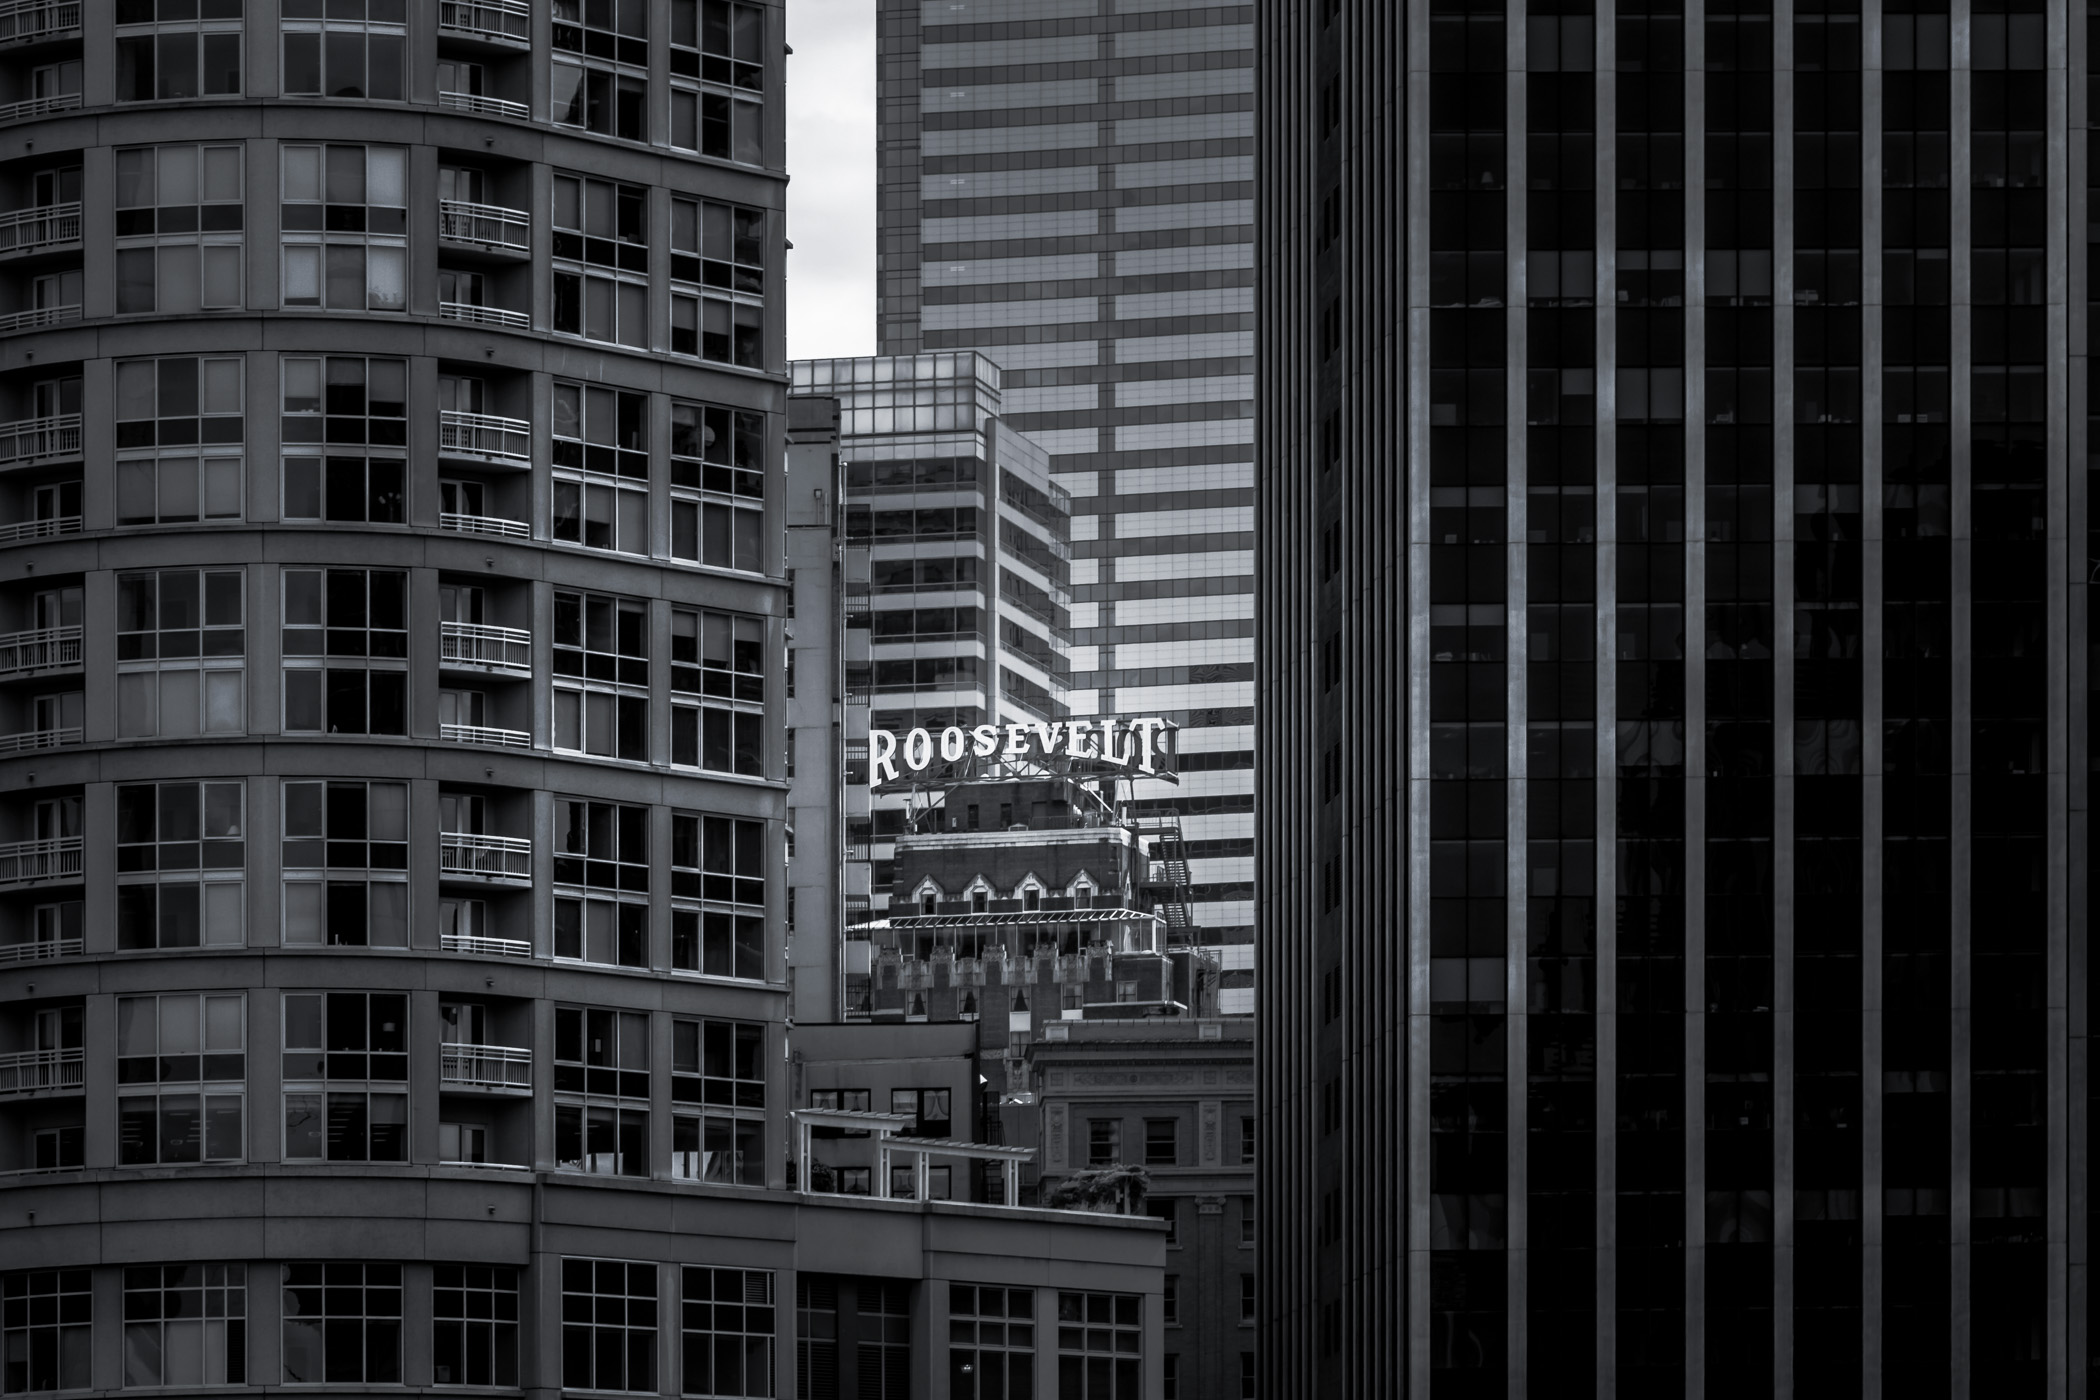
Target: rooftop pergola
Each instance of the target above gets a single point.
(883, 1128)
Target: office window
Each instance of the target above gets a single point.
(601, 1083)
(717, 65)
(179, 426)
(717, 485)
(181, 1067)
(726, 1316)
(610, 931)
(47, 1320)
(610, 94)
(991, 1342)
(1104, 1142)
(720, 658)
(345, 859)
(601, 670)
(345, 222)
(719, 1066)
(186, 1324)
(601, 467)
(1100, 1346)
(169, 49)
(718, 864)
(180, 653)
(345, 401)
(608, 1331)
(719, 276)
(342, 1324)
(179, 234)
(357, 50)
(346, 651)
(1162, 1142)
(474, 1325)
(181, 851)
(601, 259)
(601, 846)
(346, 1077)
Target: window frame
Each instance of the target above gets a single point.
(313, 1072)
(217, 1085)
(386, 866)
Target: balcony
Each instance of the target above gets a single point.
(475, 315)
(40, 529)
(55, 858)
(46, 226)
(40, 950)
(484, 648)
(483, 734)
(30, 440)
(485, 947)
(484, 437)
(487, 226)
(484, 106)
(38, 317)
(34, 739)
(22, 20)
(30, 1070)
(487, 1068)
(484, 525)
(499, 859)
(39, 107)
(493, 21)
(45, 649)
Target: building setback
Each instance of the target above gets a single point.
(1673, 438)
(393, 786)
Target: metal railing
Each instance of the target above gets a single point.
(38, 106)
(484, 525)
(54, 858)
(39, 650)
(491, 225)
(39, 739)
(492, 857)
(33, 439)
(486, 1066)
(484, 315)
(28, 1070)
(485, 435)
(38, 19)
(41, 950)
(483, 734)
(488, 19)
(40, 227)
(478, 943)
(479, 645)
(484, 106)
(40, 529)
(39, 316)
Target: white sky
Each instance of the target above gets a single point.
(831, 191)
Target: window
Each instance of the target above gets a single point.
(606, 100)
(1170, 1301)
(601, 846)
(1167, 1208)
(345, 1076)
(1099, 1346)
(179, 235)
(601, 666)
(601, 253)
(817, 1329)
(1247, 1141)
(718, 257)
(181, 1067)
(718, 862)
(180, 645)
(342, 1324)
(1170, 1377)
(614, 932)
(53, 1149)
(1247, 1299)
(179, 425)
(357, 52)
(721, 657)
(358, 408)
(929, 1110)
(346, 650)
(181, 852)
(186, 1324)
(1248, 1387)
(1162, 1142)
(346, 864)
(47, 1321)
(719, 1066)
(991, 1342)
(1104, 1142)
(727, 1319)
(345, 221)
(177, 48)
(1247, 1221)
(721, 44)
(474, 1325)
(601, 1080)
(601, 466)
(608, 1330)
(717, 485)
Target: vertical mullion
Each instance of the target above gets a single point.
(1607, 737)
(1871, 708)
(1960, 846)
(1517, 1084)
(1695, 700)
(2058, 709)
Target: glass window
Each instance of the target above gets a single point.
(718, 250)
(601, 259)
(1100, 1345)
(718, 889)
(719, 1065)
(345, 222)
(720, 658)
(1104, 1142)
(719, 41)
(181, 1066)
(346, 648)
(601, 845)
(355, 51)
(601, 467)
(726, 1316)
(717, 485)
(342, 1324)
(608, 1332)
(181, 851)
(47, 1323)
(601, 1084)
(345, 1077)
(345, 401)
(345, 857)
(601, 676)
(177, 48)
(179, 234)
(991, 1342)
(186, 1324)
(610, 94)
(180, 653)
(1162, 1142)
(474, 1325)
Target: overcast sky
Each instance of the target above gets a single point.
(831, 193)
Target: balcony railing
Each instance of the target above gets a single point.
(484, 525)
(486, 1066)
(39, 439)
(43, 226)
(29, 1070)
(484, 315)
(38, 106)
(486, 857)
(38, 316)
(38, 19)
(39, 650)
(40, 529)
(490, 225)
(484, 106)
(483, 734)
(40, 950)
(54, 858)
(488, 19)
(39, 739)
(490, 947)
(475, 644)
(485, 435)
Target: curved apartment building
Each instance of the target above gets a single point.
(392, 774)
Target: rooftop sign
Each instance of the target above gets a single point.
(1120, 743)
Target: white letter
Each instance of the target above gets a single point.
(1108, 745)
(1144, 728)
(1047, 737)
(953, 744)
(1016, 740)
(1078, 730)
(882, 763)
(987, 740)
(918, 750)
